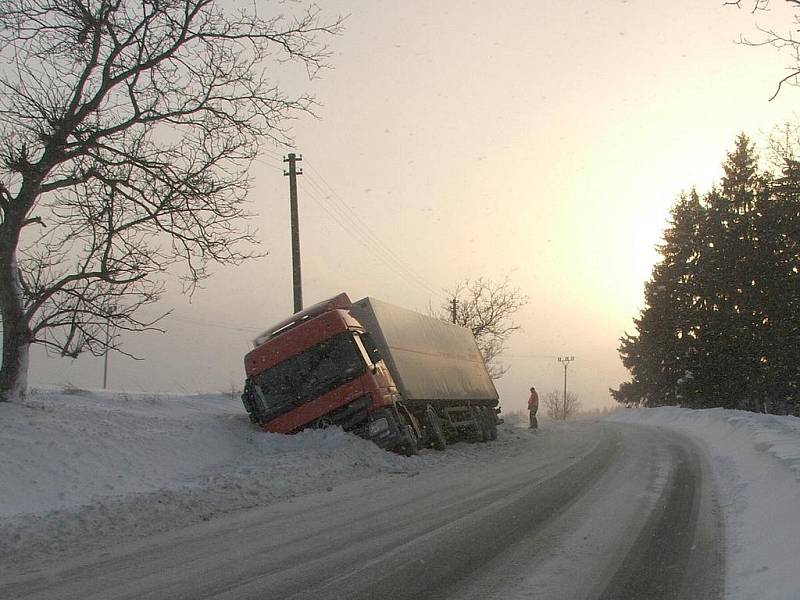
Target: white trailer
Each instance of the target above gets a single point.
(445, 387)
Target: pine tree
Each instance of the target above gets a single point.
(778, 238)
(726, 274)
(721, 324)
(660, 355)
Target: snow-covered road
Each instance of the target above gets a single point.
(141, 496)
(595, 510)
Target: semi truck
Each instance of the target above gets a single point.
(391, 375)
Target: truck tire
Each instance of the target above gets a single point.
(323, 422)
(435, 431)
(410, 446)
(478, 424)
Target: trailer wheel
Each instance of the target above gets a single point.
(434, 427)
(410, 446)
(478, 424)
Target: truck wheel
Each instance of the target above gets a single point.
(410, 445)
(434, 427)
(477, 422)
(323, 422)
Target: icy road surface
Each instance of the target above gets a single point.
(595, 510)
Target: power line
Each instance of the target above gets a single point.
(343, 218)
(275, 154)
(216, 324)
(270, 165)
(356, 231)
(356, 217)
(376, 246)
(328, 199)
(336, 215)
(540, 356)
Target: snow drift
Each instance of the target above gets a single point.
(82, 469)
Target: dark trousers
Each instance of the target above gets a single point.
(534, 421)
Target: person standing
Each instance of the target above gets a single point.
(533, 408)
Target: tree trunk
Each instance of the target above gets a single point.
(14, 372)
(16, 333)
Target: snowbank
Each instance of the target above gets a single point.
(756, 462)
(81, 469)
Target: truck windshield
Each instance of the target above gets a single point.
(307, 375)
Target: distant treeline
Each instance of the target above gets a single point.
(721, 323)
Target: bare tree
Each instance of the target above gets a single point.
(126, 131)
(486, 308)
(559, 408)
(785, 42)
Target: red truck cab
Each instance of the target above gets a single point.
(319, 368)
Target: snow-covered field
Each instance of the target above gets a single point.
(81, 470)
(756, 463)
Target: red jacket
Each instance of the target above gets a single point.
(533, 401)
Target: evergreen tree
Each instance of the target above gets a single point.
(660, 355)
(778, 235)
(725, 276)
(721, 323)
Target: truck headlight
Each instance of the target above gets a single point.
(378, 426)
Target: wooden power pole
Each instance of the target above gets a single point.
(293, 172)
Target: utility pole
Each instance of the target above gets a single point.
(566, 360)
(293, 172)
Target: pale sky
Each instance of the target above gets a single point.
(544, 141)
